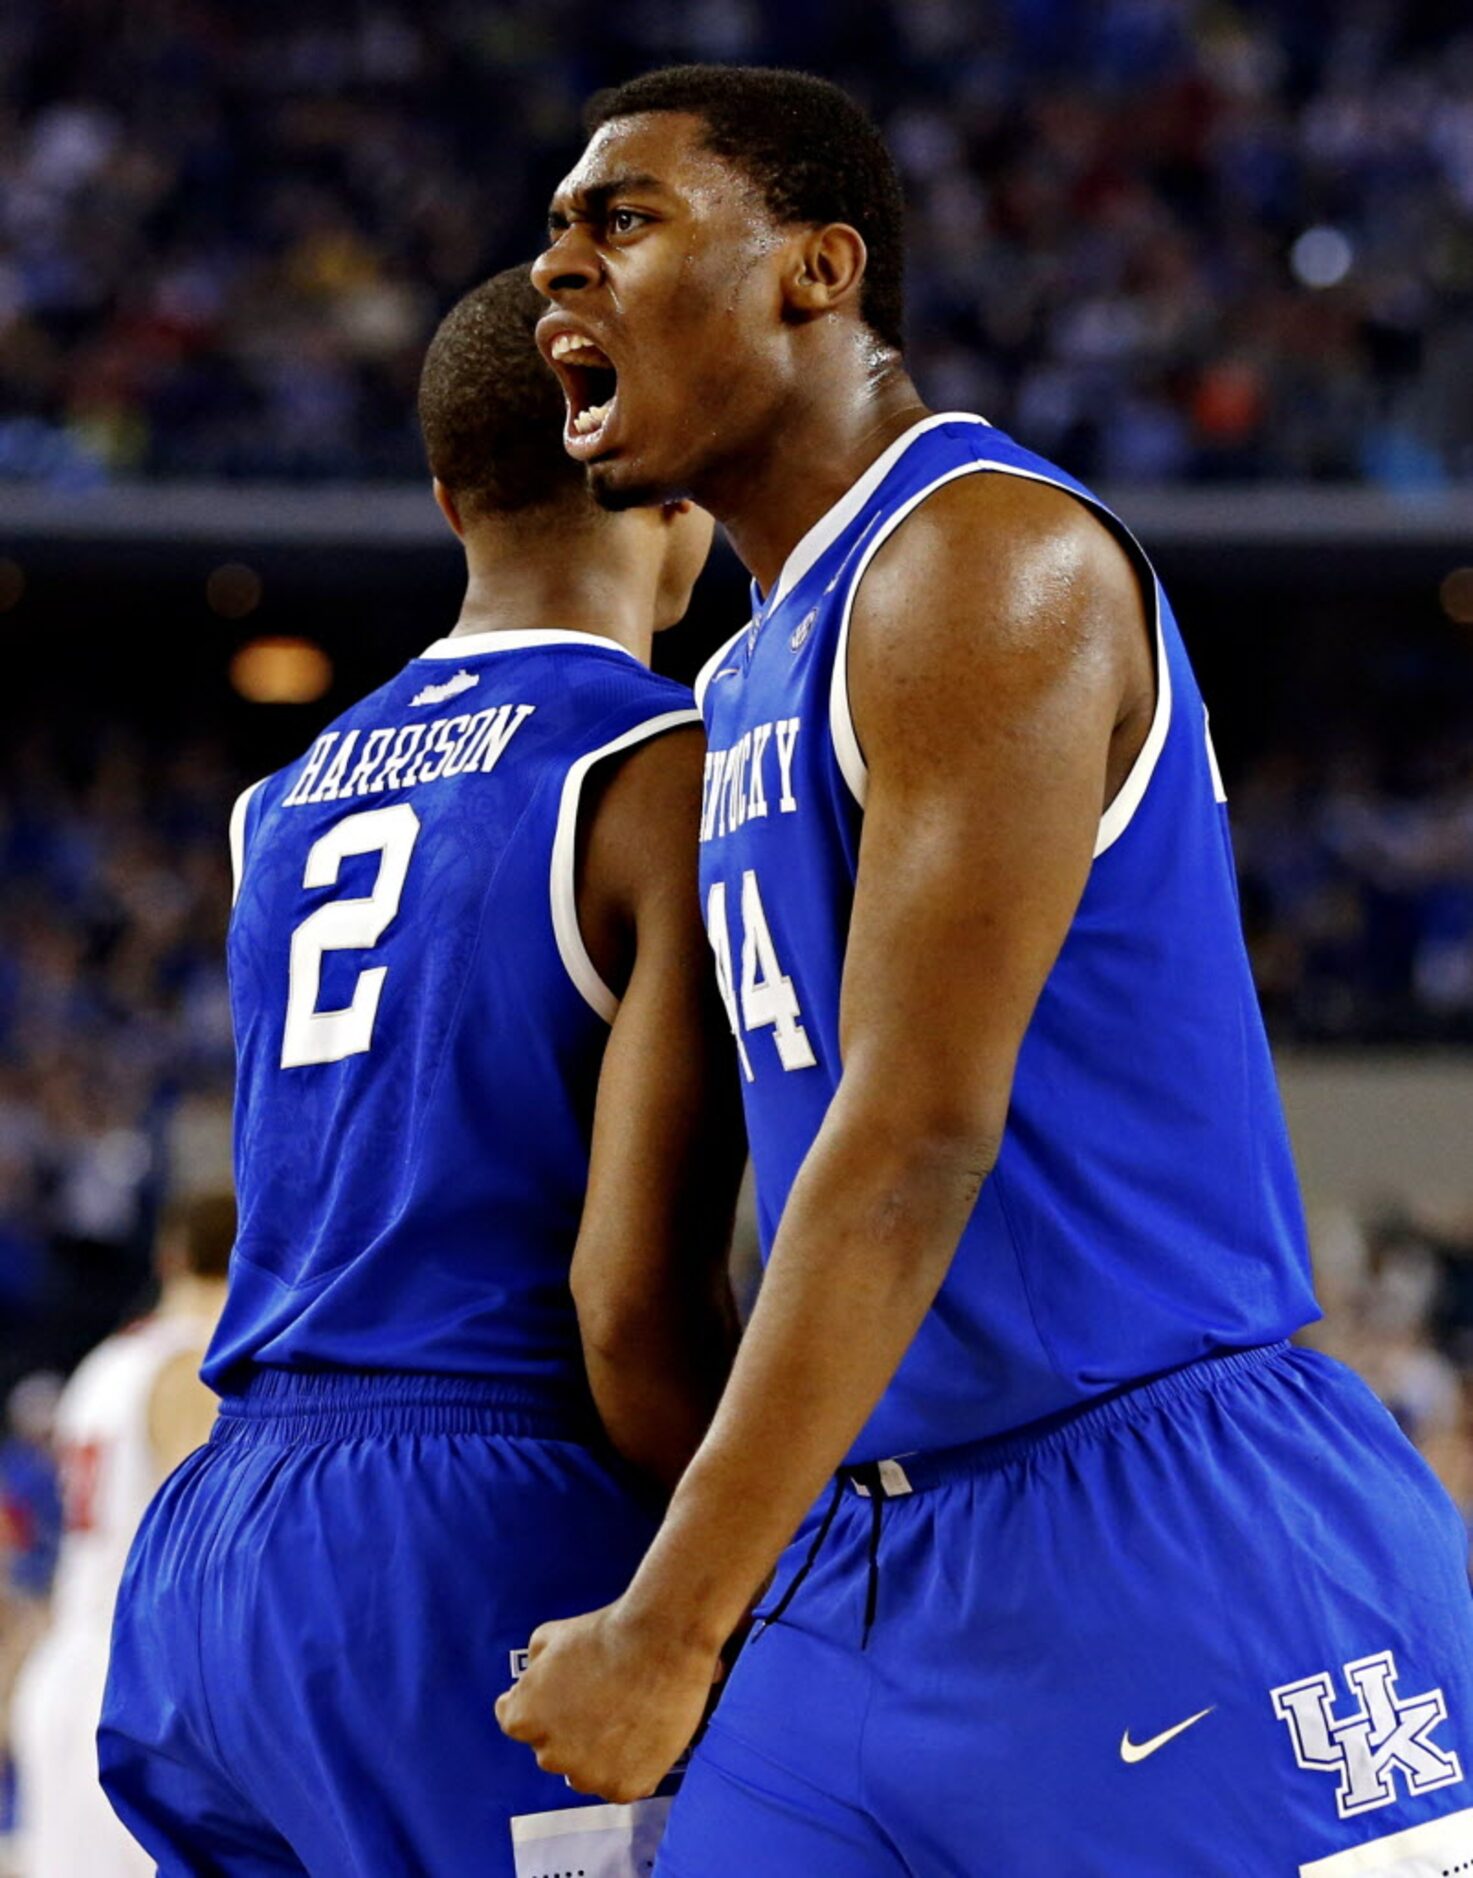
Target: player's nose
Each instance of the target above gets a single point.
(566, 264)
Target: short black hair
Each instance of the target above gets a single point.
(490, 408)
(808, 147)
(201, 1227)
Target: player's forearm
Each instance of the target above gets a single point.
(866, 1240)
(656, 1379)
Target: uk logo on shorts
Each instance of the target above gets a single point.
(1387, 1733)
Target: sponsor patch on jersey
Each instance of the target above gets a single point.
(452, 688)
(799, 635)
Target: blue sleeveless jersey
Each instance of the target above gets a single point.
(1143, 1210)
(418, 1026)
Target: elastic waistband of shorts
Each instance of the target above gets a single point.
(915, 1473)
(280, 1405)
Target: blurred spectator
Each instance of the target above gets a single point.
(30, 1496)
(1160, 238)
(1399, 1309)
(30, 1538)
(1358, 891)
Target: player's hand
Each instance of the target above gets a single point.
(609, 1703)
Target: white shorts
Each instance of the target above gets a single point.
(66, 1827)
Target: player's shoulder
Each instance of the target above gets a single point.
(103, 1371)
(1015, 545)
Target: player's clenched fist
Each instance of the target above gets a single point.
(609, 1702)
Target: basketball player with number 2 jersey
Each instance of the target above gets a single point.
(1108, 1579)
(478, 1312)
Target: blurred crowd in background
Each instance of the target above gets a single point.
(113, 1010)
(1357, 892)
(1160, 239)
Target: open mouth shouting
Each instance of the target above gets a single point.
(590, 384)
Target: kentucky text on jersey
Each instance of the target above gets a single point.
(1143, 1209)
(737, 779)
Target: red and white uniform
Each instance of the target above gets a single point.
(109, 1475)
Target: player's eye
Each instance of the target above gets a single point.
(625, 221)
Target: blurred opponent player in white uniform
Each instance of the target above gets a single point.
(133, 1409)
(478, 1310)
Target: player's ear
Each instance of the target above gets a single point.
(445, 502)
(825, 270)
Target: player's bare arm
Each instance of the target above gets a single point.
(1001, 683)
(649, 1274)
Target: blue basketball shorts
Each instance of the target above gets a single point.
(319, 1612)
(1218, 1625)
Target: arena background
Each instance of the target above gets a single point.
(1216, 257)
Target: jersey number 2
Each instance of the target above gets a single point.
(313, 1036)
(768, 999)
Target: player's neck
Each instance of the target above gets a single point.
(187, 1294)
(574, 580)
(817, 450)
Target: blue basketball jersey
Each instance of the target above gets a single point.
(418, 1026)
(1143, 1210)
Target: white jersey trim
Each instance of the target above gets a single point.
(832, 523)
(1131, 793)
(472, 645)
(571, 949)
(709, 670)
(1119, 815)
(237, 838)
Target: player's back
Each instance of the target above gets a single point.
(419, 1027)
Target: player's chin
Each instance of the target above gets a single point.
(616, 483)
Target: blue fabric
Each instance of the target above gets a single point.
(1143, 1210)
(1193, 1545)
(413, 1205)
(319, 1613)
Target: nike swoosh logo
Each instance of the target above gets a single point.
(1130, 1753)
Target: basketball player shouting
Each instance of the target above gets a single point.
(441, 910)
(1110, 1581)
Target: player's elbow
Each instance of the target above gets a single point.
(618, 1326)
(934, 1167)
(913, 1143)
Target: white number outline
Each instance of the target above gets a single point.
(356, 925)
(768, 998)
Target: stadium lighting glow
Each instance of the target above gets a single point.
(281, 671)
(1321, 257)
(1456, 595)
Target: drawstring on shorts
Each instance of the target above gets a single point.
(813, 1551)
(869, 1473)
(866, 1478)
